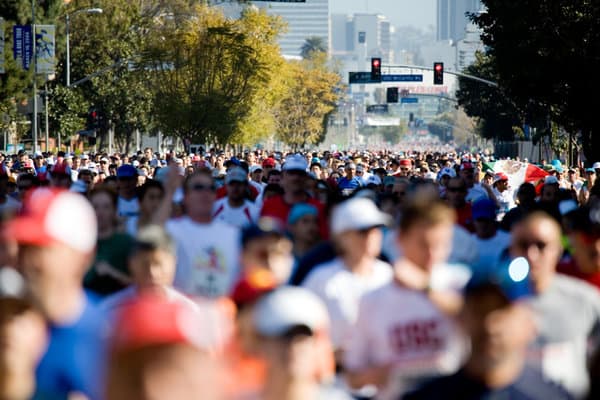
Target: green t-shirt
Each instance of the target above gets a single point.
(113, 251)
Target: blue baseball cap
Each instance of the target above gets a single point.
(511, 276)
(127, 171)
(300, 210)
(484, 209)
(265, 226)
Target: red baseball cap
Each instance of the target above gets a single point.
(53, 215)
(405, 162)
(152, 319)
(268, 162)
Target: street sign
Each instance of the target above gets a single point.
(378, 109)
(409, 100)
(402, 78)
(361, 77)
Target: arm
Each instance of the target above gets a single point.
(164, 210)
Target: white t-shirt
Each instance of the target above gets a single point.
(489, 250)
(128, 208)
(341, 291)
(506, 200)
(207, 257)
(238, 217)
(402, 327)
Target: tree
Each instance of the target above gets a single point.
(549, 56)
(496, 114)
(302, 114)
(312, 45)
(212, 73)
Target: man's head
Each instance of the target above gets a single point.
(537, 238)
(456, 192)
(292, 327)
(550, 190)
(467, 172)
(200, 194)
(501, 182)
(293, 179)
(355, 228)
(152, 259)
(584, 237)
(256, 173)
(266, 247)
(127, 177)
(237, 183)
(150, 195)
(158, 351)
(56, 234)
(425, 234)
(484, 218)
(303, 223)
(496, 318)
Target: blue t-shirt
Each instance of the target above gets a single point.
(345, 183)
(76, 358)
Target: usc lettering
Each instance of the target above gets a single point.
(416, 336)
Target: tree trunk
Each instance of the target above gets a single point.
(591, 146)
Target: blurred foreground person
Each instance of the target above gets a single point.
(356, 231)
(23, 338)
(568, 309)
(157, 353)
(500, 326)
(403, 334)
(56, 233)
(292, 328)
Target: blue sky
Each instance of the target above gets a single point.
(417, 13)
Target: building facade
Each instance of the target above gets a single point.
(304, 20)
(452, 19)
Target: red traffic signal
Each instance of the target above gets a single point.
(438, 73)
(376, 69)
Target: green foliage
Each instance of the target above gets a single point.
(313, 45)
(313, 92)
(495, 112)
(212, 72)
(547, 56)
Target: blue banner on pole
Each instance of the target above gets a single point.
(402, 78)
(23, 45)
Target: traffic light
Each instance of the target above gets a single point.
(438, 73)
(392, 95)
(376, 69)
(93, 119)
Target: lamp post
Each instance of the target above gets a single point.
(68, 19)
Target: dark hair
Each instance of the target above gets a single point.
(274, 172)
(273, 187)
(149, 184)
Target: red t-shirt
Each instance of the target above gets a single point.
(277, 208)
(464, 217)
(568, 267)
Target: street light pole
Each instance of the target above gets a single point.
(67, 23)
(34, 133)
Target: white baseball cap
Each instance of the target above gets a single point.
(295, 163)
(596, 165)
(357, 214)
(551, 180)
(373, 180)
(288, 307)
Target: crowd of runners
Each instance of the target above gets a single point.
(295, 276)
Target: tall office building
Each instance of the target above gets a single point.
(304, 20)
(365, 35)
(452, 20)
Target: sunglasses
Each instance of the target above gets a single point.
(199, 187)
(526, 244)
(456, 189)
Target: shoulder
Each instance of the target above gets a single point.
(323, 272)
(446, 387)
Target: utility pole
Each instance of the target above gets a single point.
(34, 125)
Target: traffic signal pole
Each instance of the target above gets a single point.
(474, 78)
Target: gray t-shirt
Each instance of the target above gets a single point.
(568, 320)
